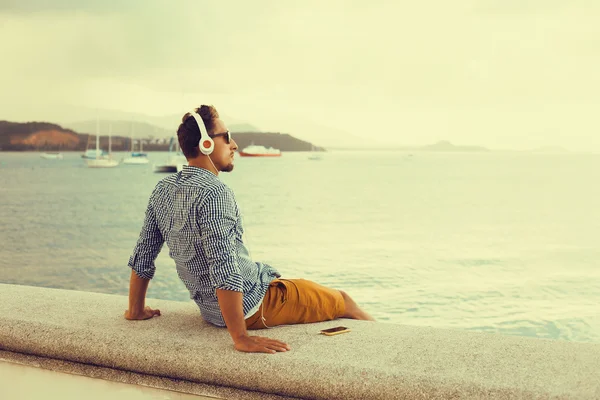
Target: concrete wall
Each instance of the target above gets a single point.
(374, 361)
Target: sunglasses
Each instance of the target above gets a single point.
(227, 136)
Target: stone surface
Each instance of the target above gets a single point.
(373, 361)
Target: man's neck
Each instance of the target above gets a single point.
(203, 162)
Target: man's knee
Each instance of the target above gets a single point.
(352, 310)
(347, 298)
(349, 305)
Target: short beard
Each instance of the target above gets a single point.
(227, 168)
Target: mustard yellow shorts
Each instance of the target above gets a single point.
(297, 301)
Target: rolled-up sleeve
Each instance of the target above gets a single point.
(217, 218)
(148, 245)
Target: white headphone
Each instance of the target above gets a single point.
(206, 144)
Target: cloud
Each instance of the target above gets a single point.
(66, 6)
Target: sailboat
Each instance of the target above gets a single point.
(176, 159)
(102, 161)
(136, 158)
(92, 153)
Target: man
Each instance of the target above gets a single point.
(197, 216)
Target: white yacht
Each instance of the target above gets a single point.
(259, 151)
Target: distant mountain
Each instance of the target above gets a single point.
(281, 141)
(72, 116)
(43, 136)
(140, 129)
(445, 145)
(242, 128)
(327, 136)
(171, 122)
(83, 118)
(441, 146)
(121, 128)
(549, 149)
(15, 136)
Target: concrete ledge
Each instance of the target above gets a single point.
(374, 361)
(29, 382)
(64, 382)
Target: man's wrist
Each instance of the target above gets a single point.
(237, 337)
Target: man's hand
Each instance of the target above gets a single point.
(230, 303)
(259, 344)
(146, 313)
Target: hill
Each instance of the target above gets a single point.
(441, 146)
(128, 128)
(445, 145)
(44, 136)
(73, 115)
(281, 141)
(549, 149)
(15, 136)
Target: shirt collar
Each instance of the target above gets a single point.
(189, 170)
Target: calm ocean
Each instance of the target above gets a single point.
(496, 242)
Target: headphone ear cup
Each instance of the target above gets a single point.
(207, 145)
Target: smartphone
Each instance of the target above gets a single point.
(335, 331)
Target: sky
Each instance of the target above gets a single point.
(515, 74)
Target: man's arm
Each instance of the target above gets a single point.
(217, 222)
(137, 299)
(230, 303)
(142, 265)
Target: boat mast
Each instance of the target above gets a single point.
(132, 149)
(97, 138)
